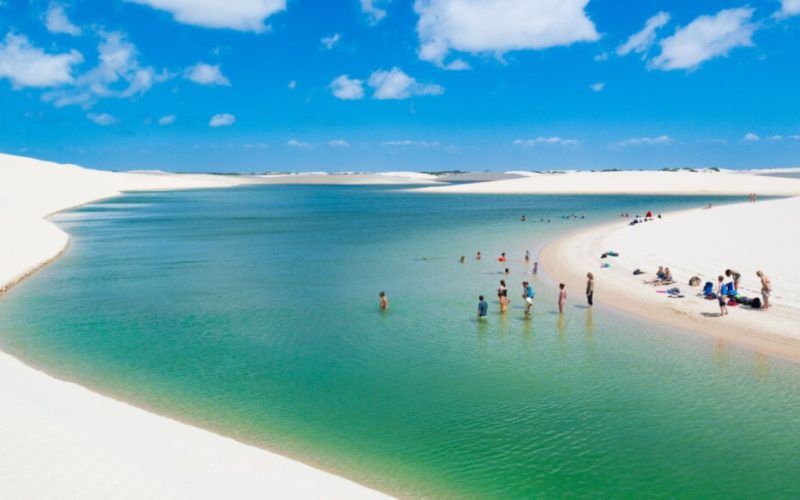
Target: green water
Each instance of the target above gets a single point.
(253, 312)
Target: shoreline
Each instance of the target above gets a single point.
(61, 436)
(570, 257)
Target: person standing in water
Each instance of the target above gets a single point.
(483, 308)
(502, 257)
(502, 296)
(462, 259)
(562, 297)
(590, 289)
(384, 303)
(478, 255)
(527, 296)
(527, 256)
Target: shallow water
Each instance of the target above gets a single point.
(253, 312)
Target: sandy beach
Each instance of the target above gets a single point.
(60, 440)
(745, 237)
(632, 182)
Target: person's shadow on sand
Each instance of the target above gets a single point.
(711, 315)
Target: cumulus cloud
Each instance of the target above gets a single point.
(338, 143)
(167, 120)
(640, 42)
(294, 143)
(329, 41)
(705, 38)
(206, 74)
(498, 26)
(406, 142)
(554, 141)
(789, 8)
(794, 137)
(344, 87)
(222, 120)
(373, 9)
(118, 74)
(56, 21)
(241, 15)
(395, 84)
(28, 66)
(597, 87)
(751, 137)
(645, 141)
(103, 119)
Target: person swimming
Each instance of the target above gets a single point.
(478, 255)
(502, 257)
(384, 301)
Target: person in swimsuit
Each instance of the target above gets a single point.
(535, 267)
(478, 256)
(462, 259)
(766, 289)
(527, 256)
(562, 297)
(502, 296)
(723, 300)
(502, 257)
(735, 276)
(384, 303)
(590, 289)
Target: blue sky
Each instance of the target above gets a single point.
(304, 85)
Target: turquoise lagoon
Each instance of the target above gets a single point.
(253, 312)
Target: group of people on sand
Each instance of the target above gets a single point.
(728, 285)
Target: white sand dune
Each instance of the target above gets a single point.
(355, 179)
(744, 237)
(631, 182)
(60, 440)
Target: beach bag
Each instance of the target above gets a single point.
(755, 303)
(708, 288)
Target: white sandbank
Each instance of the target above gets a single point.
(745, 237)
(631, 182)
(60, 440)
(355, 179)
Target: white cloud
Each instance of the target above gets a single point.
(28, 66)
(56, 21)
(294, 143)
(206, 74)
(645, 141)
(705, 38)
(603, 56)
(118, 74)
(372, 8)
(789, 8)
(329, 41)
(395, 84)
(794, 137)
(344, 87)
(556, 141)
(103, 119)
(241, 15)
(222, 120)
(421, 144)
(640, 42)
(751, 137)
(499, 26)
(167, 120)
(338, 143)
(598, 86)
(292, 85)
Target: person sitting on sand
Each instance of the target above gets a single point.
(766, 289)
(721, 298)
(590, 289)
(659, 277)
(667, 279)
(502, 257)
(735, 276)
(483, 308)
(384, 303)
(562, 297)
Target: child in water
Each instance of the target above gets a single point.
(384, 303)
(562, 297)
